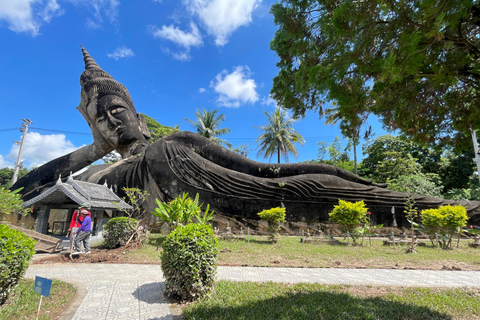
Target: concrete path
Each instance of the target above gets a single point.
(128, 291)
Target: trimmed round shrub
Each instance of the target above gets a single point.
(16, 251)
(445, 220)
(189, 261)
(118, 231)
(349, 215)
(274, 217)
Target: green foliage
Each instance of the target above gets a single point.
(349, 215)
(385, 151)
(6, 175)
(457, 171)
(419, 183)
(242, 150)
(11, 202)
(157, 130)
(463, 194)
(274, 217)
(189, 261)
(118, 231)
(207, 125)
(279, 136)
(181, 211)
(136, 198)
(445, 220)
(16, 251)
(414, 64)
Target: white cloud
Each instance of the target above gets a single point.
(236, 88)
(181, 38)
(121, 52)
(202, 90)
(268, 101)
(186, 40)
(101, 8)
(4, 163)
(222, 17)
(28, 15)
(39, 149)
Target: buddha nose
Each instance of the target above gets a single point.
(113, 122)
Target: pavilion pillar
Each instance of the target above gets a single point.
(42, 219)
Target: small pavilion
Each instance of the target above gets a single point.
(54, 206)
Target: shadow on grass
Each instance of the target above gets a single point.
(314, 305)
(156, 241)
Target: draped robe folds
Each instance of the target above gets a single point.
(236, 186)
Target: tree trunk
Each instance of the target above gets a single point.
(355, 156)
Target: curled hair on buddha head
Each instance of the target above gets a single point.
(96, 83)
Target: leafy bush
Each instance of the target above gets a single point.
(274, 217)
(445, 220)
(118, 231)
(11, 202)
(16, 250)
(181, 211)
(189, 261)
(349, 215)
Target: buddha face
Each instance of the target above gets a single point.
(115, 120)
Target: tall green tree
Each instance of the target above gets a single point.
(208, 124)
(278, 136)
(413, 63)
(390, 149)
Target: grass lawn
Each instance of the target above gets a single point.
(23, 302)
(290, 252)
(244, 300)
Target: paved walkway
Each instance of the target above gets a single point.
(128, 291)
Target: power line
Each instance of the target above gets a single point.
(61, 131)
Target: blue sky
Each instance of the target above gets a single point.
(173, 56)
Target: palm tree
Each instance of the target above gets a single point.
(207, 124)
(279, 136)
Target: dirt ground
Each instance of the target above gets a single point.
(96, 256)
(120, 255)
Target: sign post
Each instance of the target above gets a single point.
(42, 287)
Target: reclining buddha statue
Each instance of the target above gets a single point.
(187, 162)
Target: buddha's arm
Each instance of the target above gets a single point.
(61, 166)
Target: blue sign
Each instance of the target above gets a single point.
(42, 286)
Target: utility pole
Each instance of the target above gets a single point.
(24, 129)
(475, 149)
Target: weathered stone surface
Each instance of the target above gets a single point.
(186, 162)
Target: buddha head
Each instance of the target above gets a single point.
(108, 108)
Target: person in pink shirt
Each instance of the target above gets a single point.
(76, 222)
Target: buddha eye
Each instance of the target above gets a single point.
(117, 109)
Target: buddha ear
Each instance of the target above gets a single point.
(143, 126)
